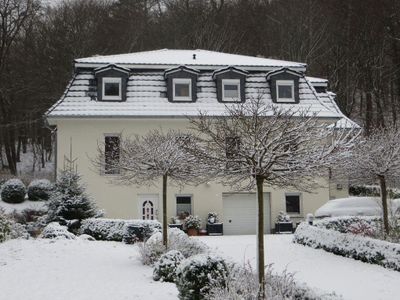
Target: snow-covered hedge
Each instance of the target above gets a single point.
(9, 229)
(39, 189)
(56, 231)
(344, 224)
(13, 191)
(350, 245)
(153, 248)
(119, 230)
(197, 274)
(165, 267)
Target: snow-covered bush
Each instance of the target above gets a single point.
(358, 247)
(18, 231)
(39, 189)
(193, 222)
(283, 217)
(151, 250)
(119, 230)
(242, 283)
(165, 267)
(13, 191)
(56, 231)
(69, 200)
(5, 226)
(9, 229)
(212, 218)
(197, 274)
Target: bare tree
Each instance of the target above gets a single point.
(257, 144)
(375, 159)
(143, 160)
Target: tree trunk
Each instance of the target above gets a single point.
(260, 238)
(165, 221)
(382, 182)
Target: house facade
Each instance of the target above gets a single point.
(133, 93)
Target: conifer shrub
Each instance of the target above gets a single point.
(165, 267)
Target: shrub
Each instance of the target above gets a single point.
(197, 274)
(193, 222)
(358, 247)
(5, 226)
(165, 267)
(13, 191)
(119, 230)
(242, 283)
(344, 224)
(153, 248)
(39, 189)
(56, 231)
(69, 200)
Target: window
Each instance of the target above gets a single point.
(230, 89)
(183, 205)
(111, 88)
(293, 203)
(285, 91)
(112, 154)
(182, 89)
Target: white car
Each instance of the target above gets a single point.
(354, 206)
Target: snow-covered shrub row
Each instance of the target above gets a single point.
(242, 283)
(39, 189)
(165, 267)
(345, 223)
(56, 231)
(197, 274)
(13, 191)
(358, 247)
(151, 250)
(119, 230)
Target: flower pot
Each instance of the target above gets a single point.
(192, 232)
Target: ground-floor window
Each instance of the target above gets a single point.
(183, 205)
(293, 203)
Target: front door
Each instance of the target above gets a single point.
(148, 206)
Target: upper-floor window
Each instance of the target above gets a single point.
(111, 88)
(231, 90)
(285, 91)
(182, 89)
(112, 154)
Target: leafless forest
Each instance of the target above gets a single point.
(353, 43)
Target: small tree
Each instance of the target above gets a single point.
(375, 159)
(69, 200)
(256, 144)
(143, 160)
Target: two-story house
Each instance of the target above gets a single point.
(133, 93)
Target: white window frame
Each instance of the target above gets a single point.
(285, 83)
(111, 80)
(300, 213)
(184, 195)
(182, 81)
(230, 82)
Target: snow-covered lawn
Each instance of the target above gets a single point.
(76, 269)
(352, 279)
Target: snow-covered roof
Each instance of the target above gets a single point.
(202, 59)
(146, 97)
(317, 80)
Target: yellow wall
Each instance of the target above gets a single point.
(122, 201)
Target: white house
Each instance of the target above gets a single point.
(133, 93)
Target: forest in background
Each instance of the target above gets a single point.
(355, 44)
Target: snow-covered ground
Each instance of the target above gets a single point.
(352, 279)
(76, 269)
(18, 207)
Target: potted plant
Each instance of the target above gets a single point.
(214, 227)
(283, 223)
(192, 224)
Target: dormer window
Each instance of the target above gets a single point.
(182, 89)
(111, 88)
(231, 90)
(285, 91)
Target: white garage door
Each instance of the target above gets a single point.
(240, 213)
